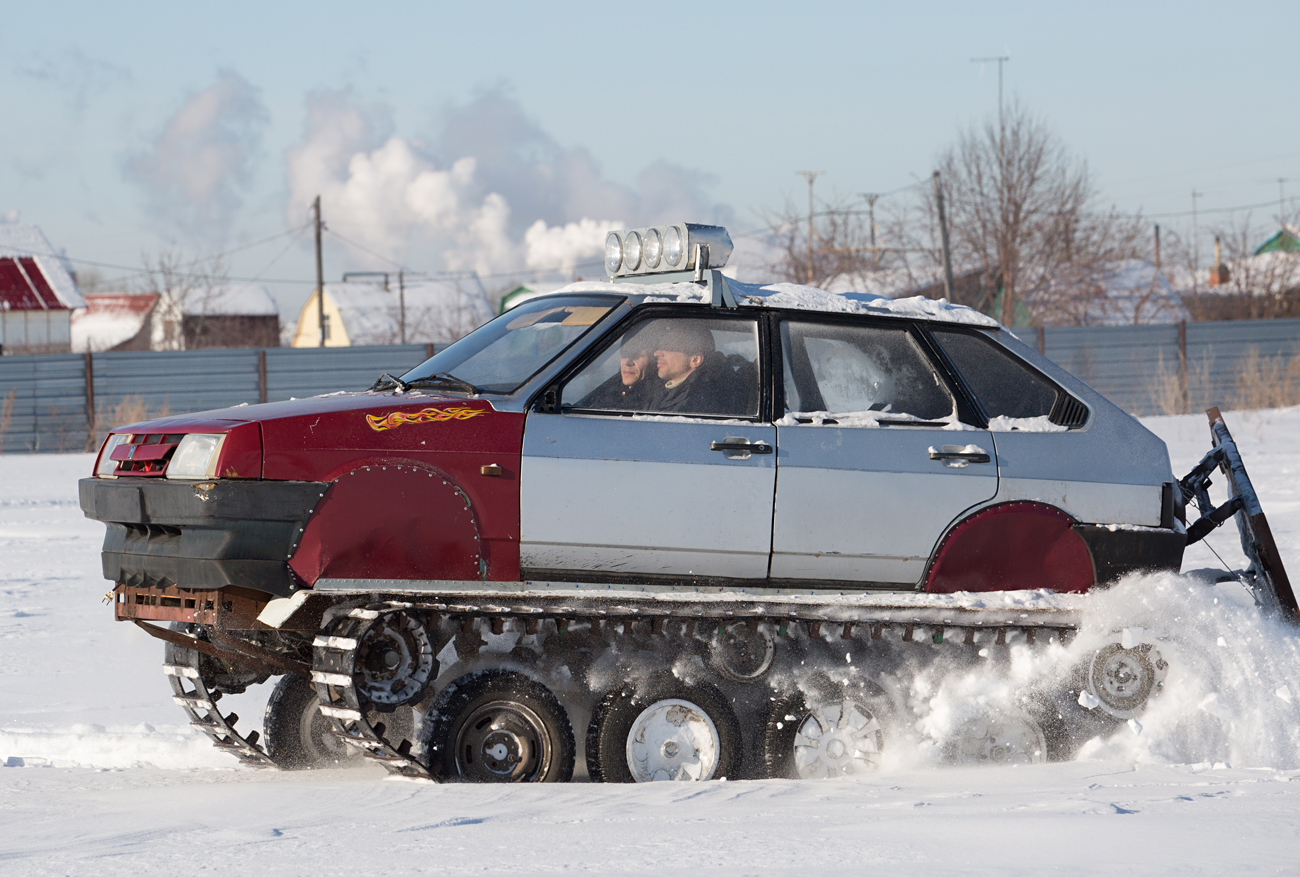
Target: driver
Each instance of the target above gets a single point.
(681, 354)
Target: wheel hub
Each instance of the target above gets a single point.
(395, 659)
(839, 738)
(673, 740)
(1002, 738)
(1124, 679)
(743, 654)
(502, 740)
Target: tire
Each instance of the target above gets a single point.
(298, 737)
(698, 734)
(834, 733)
(498, 726)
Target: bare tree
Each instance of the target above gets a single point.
(185, 287)
(841, 244)
(1021, 212)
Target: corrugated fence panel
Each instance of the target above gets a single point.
(177, 381)
(1123, 363)
(301, 372)
(43, 398)
(43, 403)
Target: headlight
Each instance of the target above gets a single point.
(632, 251)
(195, 456)
(613, 253)
(673, 247)
(652, 248)
(107, 465)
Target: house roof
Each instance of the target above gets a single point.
(110, 319)
(230, 300)
(32, 275)
(437, 310)
(1286, 240)
(524, 291)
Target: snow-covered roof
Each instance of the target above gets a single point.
(437, 310)
(109, 319)
(20, 240)
(806, 298)
(230, 300)
(524, 291)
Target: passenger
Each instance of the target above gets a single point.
(683, 358)
(634, 387)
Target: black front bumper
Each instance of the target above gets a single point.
(163, 533)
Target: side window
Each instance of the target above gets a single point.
(673, 365)
(845, 369)
(1004, 385)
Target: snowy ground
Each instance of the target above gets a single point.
(107, 780)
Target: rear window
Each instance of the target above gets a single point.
(1004, 385)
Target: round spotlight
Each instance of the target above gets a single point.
(673, 247)
(613, 253)
(653, 248)
(632, 251)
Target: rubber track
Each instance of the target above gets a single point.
(192, 693)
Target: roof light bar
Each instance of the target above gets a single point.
(666, 248)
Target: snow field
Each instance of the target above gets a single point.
(107, 779)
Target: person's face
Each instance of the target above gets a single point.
(633, 365)
(673, 365)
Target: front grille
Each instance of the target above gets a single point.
(146, 454)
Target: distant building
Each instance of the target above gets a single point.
(1287, 240)
(419, 311)
(37, 293)
(227, 315)
(524, 292)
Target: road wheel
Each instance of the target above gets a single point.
(298, 737)
(663, 730)
(831, 734)
(497, 726)
(998, 736)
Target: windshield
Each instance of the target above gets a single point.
(501, 356)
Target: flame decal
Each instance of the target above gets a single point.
(428, 415)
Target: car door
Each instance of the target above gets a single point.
(660, 477)
(874, 464)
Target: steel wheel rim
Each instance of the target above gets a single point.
(503, 741)
(673, 739)
(1121, 678)
(744, 656)
(407, 641)
(319, 741)
(840, 738)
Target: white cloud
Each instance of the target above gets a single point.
(194, 171)
(492, 192)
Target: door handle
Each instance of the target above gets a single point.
(741, 445)
(965, 453)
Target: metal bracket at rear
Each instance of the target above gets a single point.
(1266, 574)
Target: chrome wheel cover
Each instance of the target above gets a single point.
(839, 738)
(673, 739)
(1000, 738)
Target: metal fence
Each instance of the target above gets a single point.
(61, 402)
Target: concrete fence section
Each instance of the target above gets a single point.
(64, 402)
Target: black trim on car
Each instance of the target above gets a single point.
(1117, 551)
(206, 535)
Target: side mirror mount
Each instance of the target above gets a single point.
(548, 402)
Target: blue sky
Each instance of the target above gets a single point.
(722, 102)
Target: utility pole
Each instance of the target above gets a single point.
(1001, 59)
(401, 302)
(320, 273)
(943, 238)
(872, 197)
(1281, 201)
(1196, 243)
(810, 176)
(1157, 246)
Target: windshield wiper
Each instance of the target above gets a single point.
(386, 380)
(445, 379)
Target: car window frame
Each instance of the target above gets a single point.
(967, 411)
(1061, 392)
(644, 313)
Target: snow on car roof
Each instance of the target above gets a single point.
(799, 297)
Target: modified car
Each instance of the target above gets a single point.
(665, 526)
